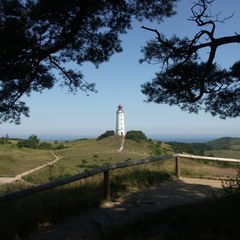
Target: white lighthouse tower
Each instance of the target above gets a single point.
(120, 125)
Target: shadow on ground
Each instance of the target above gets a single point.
(98, 222)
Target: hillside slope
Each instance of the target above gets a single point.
(14, 160)
(84, 154)
(225, 143)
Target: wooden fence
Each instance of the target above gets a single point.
(106, 176)
(178, 156)
(60, 182)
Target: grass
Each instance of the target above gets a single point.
(224, 153)
(14, 160)
(49, 207)
(13, 187)
(200, 169)
(82, 155)
(43, 209)
(215, 219)
(225, 143)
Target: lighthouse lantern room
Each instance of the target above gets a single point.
(120, 125)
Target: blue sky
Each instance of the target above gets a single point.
(55, 112)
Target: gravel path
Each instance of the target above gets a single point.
(138, 205)
(4, 180)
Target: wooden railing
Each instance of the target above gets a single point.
(106, 176)
(60, 182)
(178, 156)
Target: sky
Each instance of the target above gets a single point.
(58, 113)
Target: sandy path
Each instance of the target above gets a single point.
(4, 180)
(138, 205)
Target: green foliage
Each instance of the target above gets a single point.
(4, 141)
(31, 142)
(225, 143)
(60, 146)
(39, 37)
(135, 135)
(192, 148)
(73, 198)
(34, 143)
(155, 148)
(108, 133)
(188, 81)
(232, 185)
(83, 161)
(45, 145)
(174, 85)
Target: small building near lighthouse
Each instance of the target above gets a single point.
(120, 124)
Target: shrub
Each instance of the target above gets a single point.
(34, 142)
(232, 185)
(136, 135)
(155, 149)
(108, 133)
(83, 161)
(31, 142)
(4, 141)
(45, 145)
(59, 146)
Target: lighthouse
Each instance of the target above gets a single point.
(120, 126)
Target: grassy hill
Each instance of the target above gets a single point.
(14, 160)
(77, 156)
(225, 143)
(83, 154)
(223, 147)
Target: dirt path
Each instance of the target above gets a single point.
(135, 206)
(122, 145)
(4, 180)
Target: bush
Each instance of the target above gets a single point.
(31, 142)
(108, 133)
(45, 145)
(232, 185)
(34, 142)
(136, 135)
(59, 146)
(155, 148)
(192, 148)
(4, 141)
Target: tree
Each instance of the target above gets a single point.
(31, 142)
(108, 133)
(38, 38)
(136, 135)
(185, 80)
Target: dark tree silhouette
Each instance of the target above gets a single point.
(186, 81)
(38, 38)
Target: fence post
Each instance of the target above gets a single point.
(177, 166)
(106, 180)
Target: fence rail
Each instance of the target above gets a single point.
(106, 176)
(60, 182)
(178, 156)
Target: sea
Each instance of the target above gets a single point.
(184, 139)
(164, 138)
